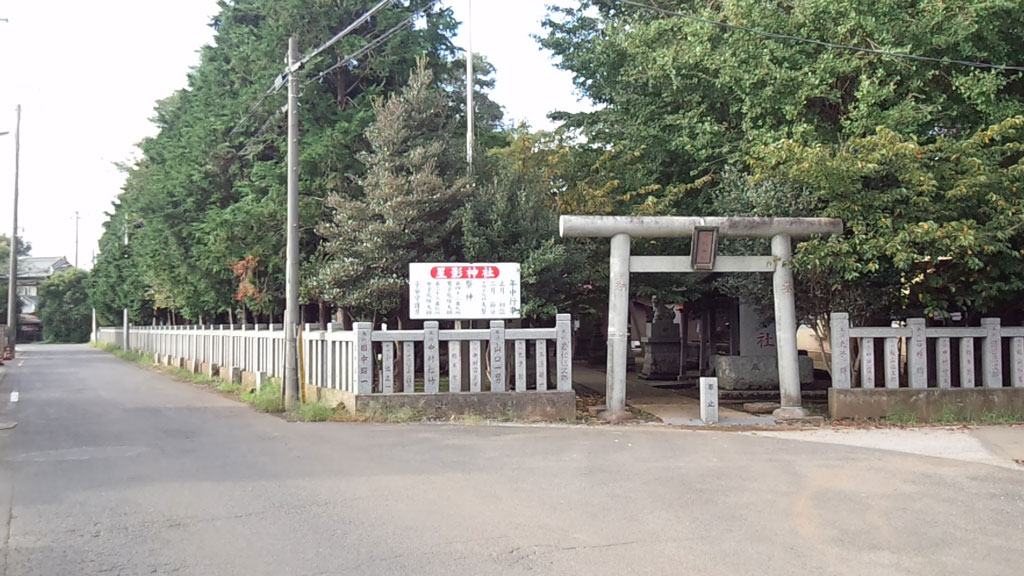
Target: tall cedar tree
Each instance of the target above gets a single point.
(410, 207)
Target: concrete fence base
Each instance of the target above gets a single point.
(230, 374)
(931, 404)
(548, 406)
(209, 370)
(253, 380)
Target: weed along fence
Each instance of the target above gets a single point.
(928, 372)
(497, 371)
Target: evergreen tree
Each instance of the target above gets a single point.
(64, 309)
(410, 204)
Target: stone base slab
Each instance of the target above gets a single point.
(551, 405)
(926, 404)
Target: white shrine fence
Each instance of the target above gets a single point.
(918, 356)
(364, 360)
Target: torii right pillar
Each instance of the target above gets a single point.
(621, 230)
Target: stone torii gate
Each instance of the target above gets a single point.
(621, 229)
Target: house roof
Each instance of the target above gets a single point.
(41, 267)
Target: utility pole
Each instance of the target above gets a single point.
(12, 278)
(291, 313)
(469, 86)
(76, 238)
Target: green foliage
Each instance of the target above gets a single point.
(921, 160)
(514, 218)
(313, 412)
(407, 211)
(5, 251)
(209, 189)
(267, 399)
(5, 266)
(932, 227)
(229, 387)
(63, 307)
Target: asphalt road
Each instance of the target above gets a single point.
(117, 470)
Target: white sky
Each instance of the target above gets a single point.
(88, 74)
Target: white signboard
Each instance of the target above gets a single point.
(464, 291)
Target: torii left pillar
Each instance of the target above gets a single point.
(621, 229)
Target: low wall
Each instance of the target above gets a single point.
(551, 405)
(926, 404)
(755, 372)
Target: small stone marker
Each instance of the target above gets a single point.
(709, 400)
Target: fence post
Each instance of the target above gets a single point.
(364, 358)
(867, 362)
(454, 366)
(917, 357)
(839, 336)
(944, 368)
(967, 362)
(991, 354)
(1017, 362)
(497, 356)
(563, 348)
(431, 358)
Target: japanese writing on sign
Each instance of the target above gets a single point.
(460, 291)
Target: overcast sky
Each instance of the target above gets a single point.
(88, 74)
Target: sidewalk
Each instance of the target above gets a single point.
(668, 405)
(995, 445)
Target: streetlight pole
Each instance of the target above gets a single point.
(12, 278)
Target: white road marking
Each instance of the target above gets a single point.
(14, 396)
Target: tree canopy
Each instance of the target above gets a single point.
(209, 189)
(699, 118)
(63, 308)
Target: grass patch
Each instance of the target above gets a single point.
(1006, 418)
(313, 412)
(953, 416)
(129, 355)
(267, 398)
(230, 387)
(901, 417)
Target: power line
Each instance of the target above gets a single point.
(357, 54)
(359, 22)
(832, 45)
(279, 80)
(370, 46)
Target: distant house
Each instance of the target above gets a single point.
(32, 271)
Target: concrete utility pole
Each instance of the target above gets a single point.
(291, 318)
(469, 86)
(12, 278)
